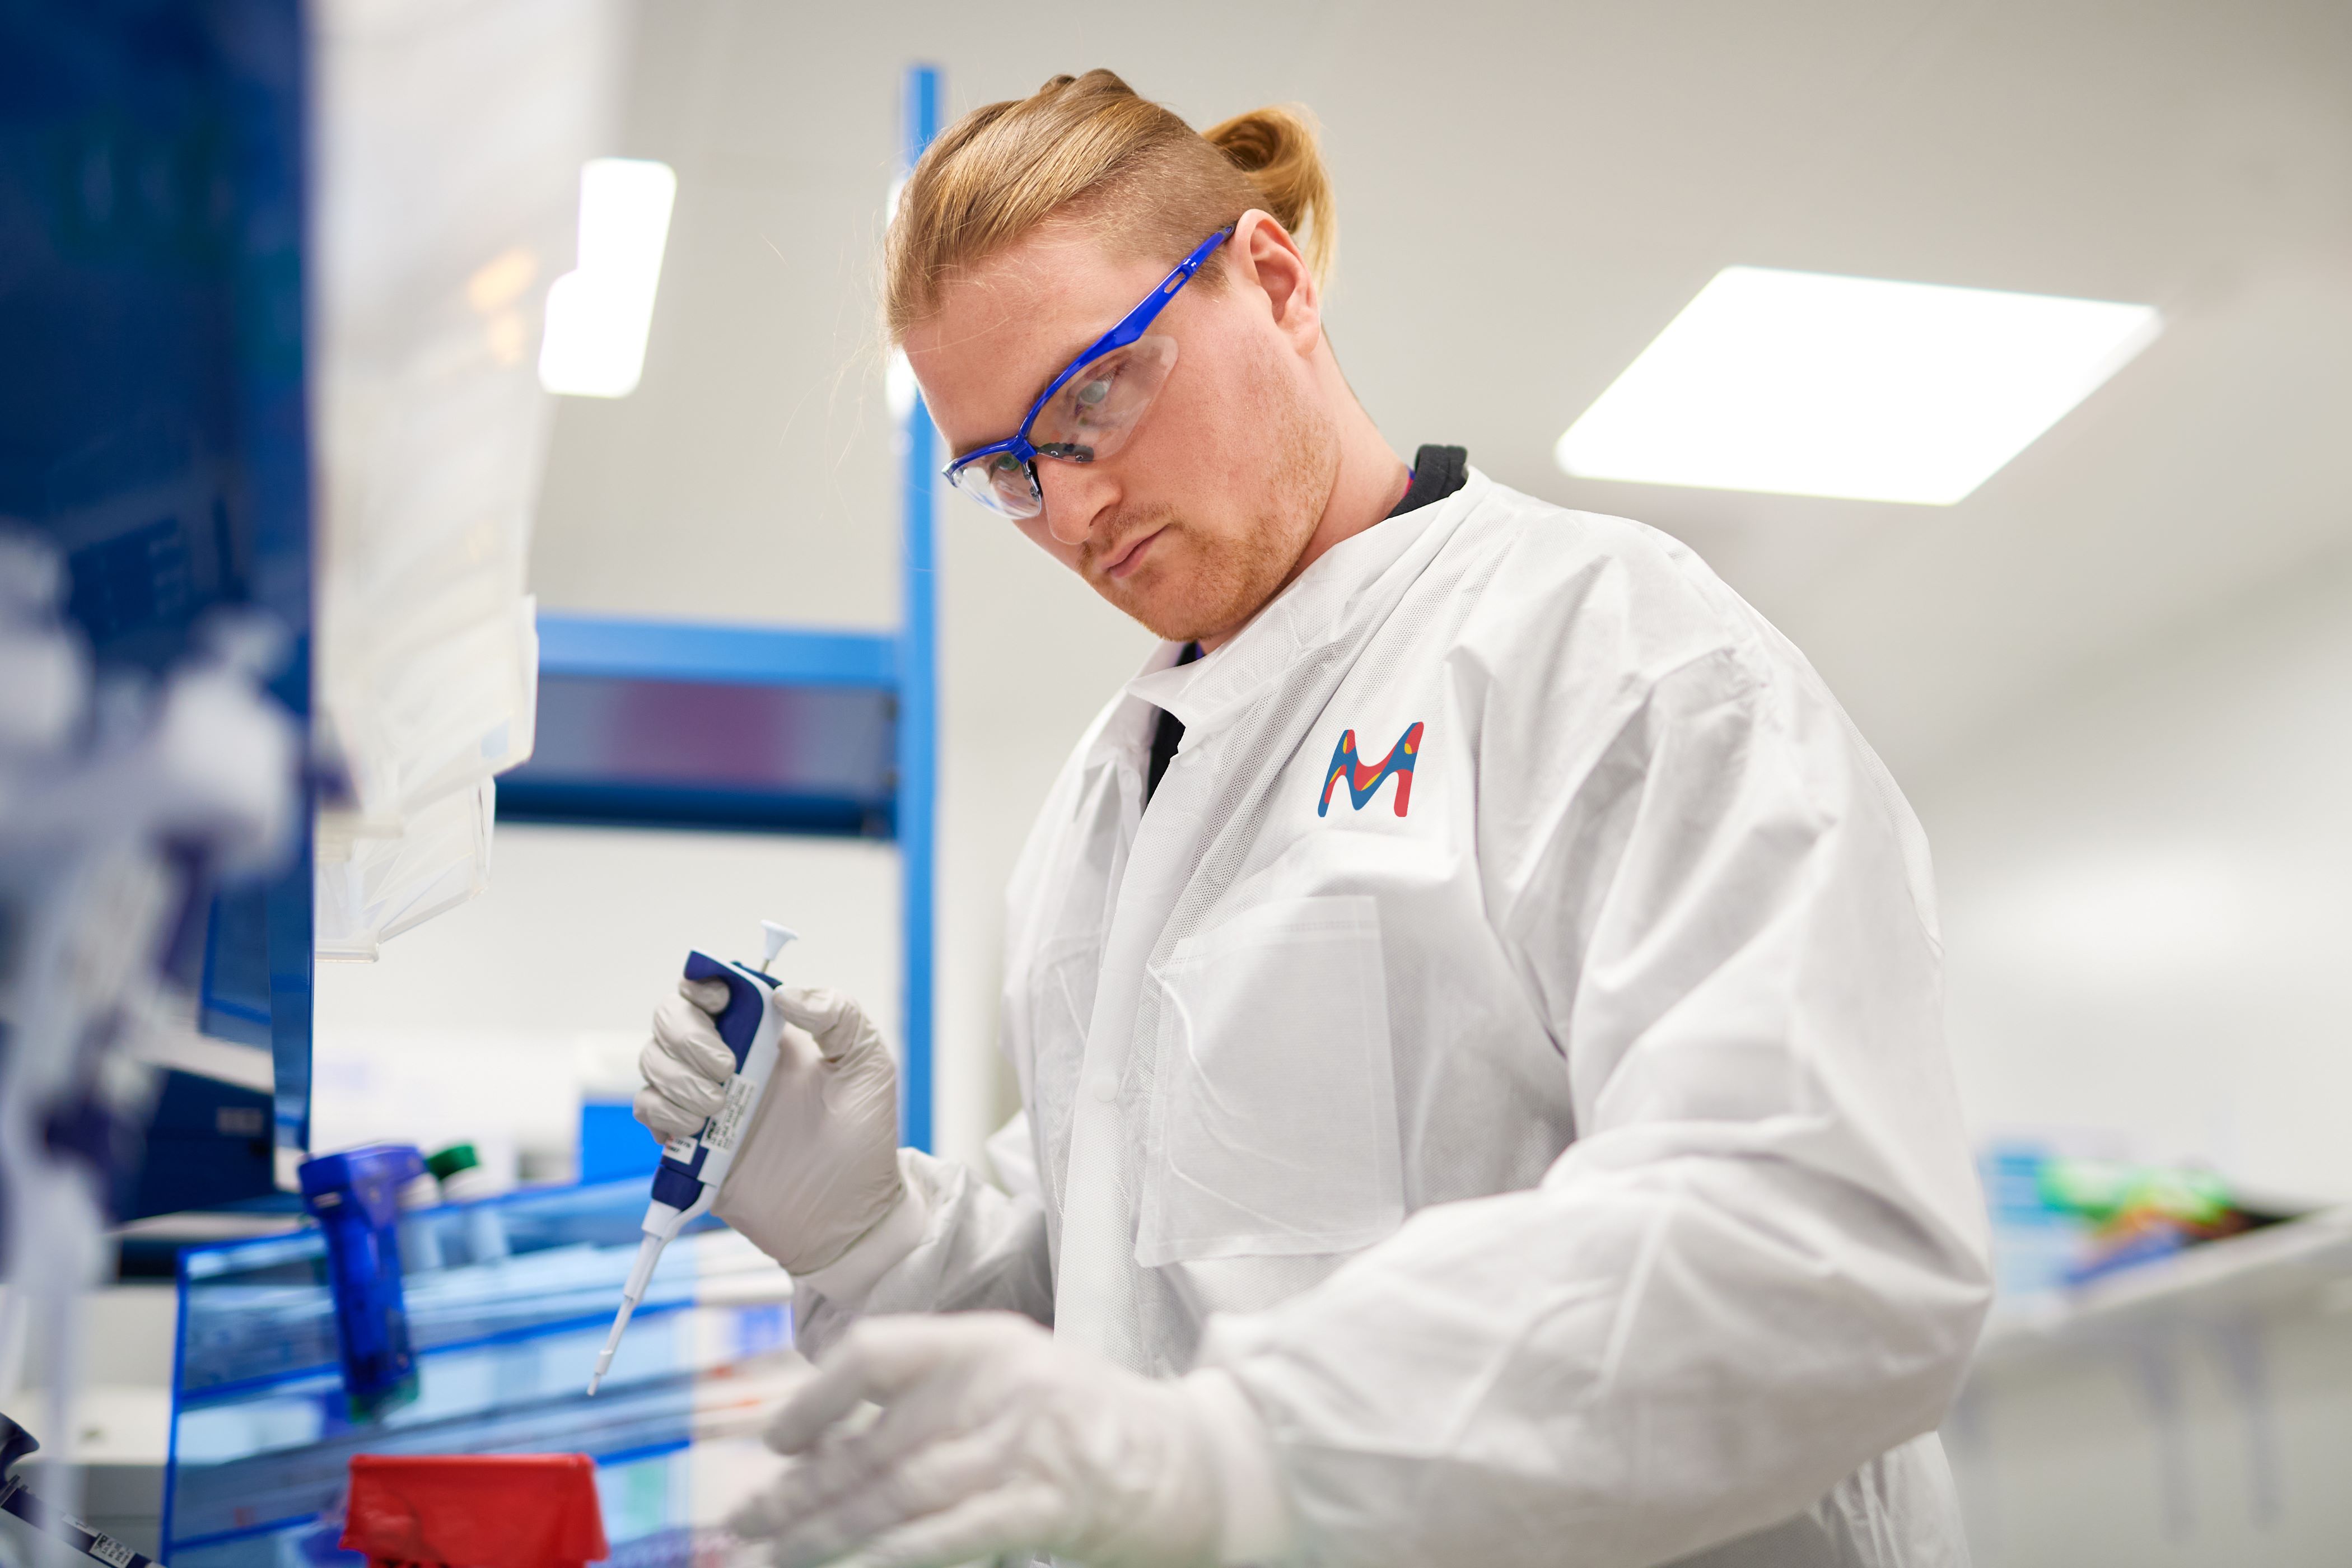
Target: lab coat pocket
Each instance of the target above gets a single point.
(1274, 1107)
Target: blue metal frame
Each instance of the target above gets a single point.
(745, 656)
(1130, 327)
(594, 804)
(918, 683)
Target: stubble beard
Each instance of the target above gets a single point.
(1225, 582)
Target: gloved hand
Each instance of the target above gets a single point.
(994, 1438)
(819, 1166)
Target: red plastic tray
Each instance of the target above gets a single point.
(464, 1510)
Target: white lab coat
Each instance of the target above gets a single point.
(1567, 1166)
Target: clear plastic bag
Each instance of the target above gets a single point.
(374, 885)
(449, 136)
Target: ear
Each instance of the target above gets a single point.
(1266, 263)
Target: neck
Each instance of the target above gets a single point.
(1371, 479)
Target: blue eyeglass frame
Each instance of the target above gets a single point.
(1130, 327)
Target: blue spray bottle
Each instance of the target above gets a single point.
(355, 1197)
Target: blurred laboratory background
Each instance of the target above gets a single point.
(630, 617)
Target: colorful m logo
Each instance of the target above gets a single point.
(1364, 781)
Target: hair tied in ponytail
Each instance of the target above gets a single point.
(1090, 149)
(1277, 147)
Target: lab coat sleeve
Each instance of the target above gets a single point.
(969, 1246)
(1762, 1263)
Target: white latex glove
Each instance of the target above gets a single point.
(819, 1167)
(994, 1438)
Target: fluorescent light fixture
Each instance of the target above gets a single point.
(1810, 384)
(597, 317)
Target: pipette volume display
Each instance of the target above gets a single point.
(693, 1169)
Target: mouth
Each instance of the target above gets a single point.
(1128, 560)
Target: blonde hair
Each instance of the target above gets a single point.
(1089, 150)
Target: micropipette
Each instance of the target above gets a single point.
(693, 1168)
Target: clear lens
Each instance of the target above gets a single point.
(1001, 483)
(1089, 418)
(1095, 411)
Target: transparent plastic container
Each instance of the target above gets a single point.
(506, 1331)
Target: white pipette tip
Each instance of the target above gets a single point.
(773, 937)
(611, 1343)
(649, 1253)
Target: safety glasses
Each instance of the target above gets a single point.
(1089, 410)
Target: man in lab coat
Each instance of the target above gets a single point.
(1476, 997)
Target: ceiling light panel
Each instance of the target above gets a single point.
(1811, 384)
(599, 317)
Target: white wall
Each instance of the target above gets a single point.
(2147, 886)
(479, 1024)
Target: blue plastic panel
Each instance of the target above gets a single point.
(508, 1302)
(208, 1145)
(615, 1145)
(152, 419)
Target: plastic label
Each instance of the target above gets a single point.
(104, 1547)
(727, 1126)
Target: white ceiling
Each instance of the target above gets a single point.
(1529, 193)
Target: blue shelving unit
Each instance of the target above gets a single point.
(655, 724)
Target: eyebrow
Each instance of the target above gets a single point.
(1150, 308)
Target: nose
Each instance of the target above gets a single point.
(1076, 495)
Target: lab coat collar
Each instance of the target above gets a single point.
(1309, 613)
(1124, 733)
